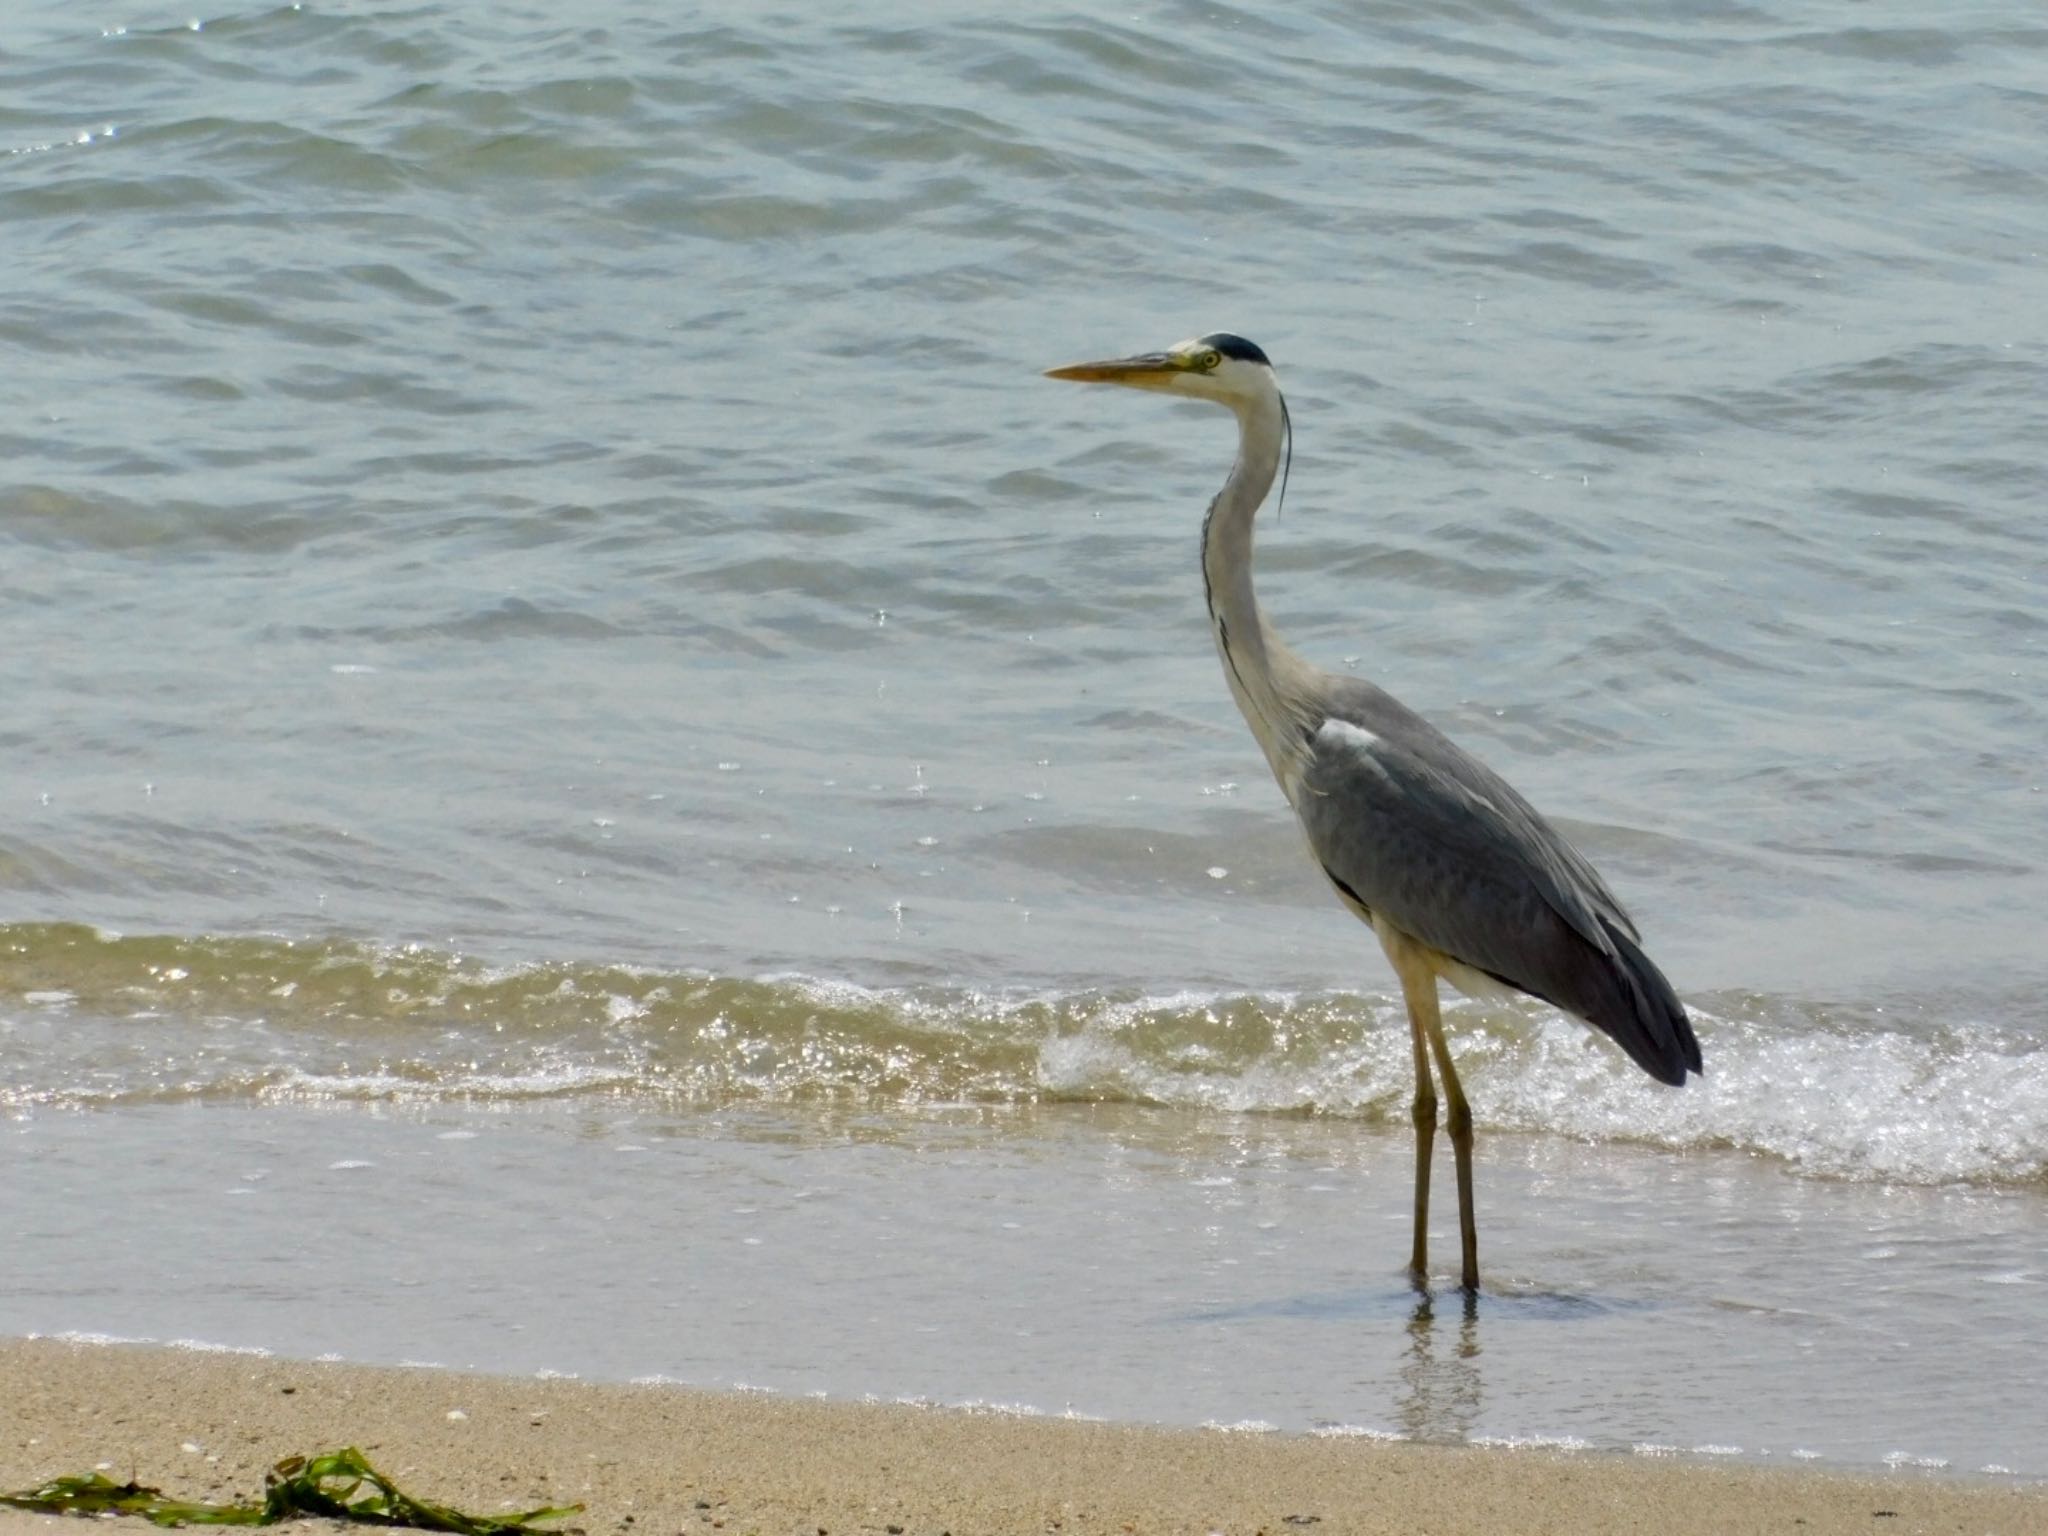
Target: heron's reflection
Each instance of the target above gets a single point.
(1440, 1386)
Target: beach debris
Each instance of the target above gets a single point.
(337, 1485)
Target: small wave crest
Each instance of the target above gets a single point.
(93, 1018)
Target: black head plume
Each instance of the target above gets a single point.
(1237, 347)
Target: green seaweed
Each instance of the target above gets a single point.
(339, 1485)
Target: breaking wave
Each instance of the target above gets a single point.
(90, 1018)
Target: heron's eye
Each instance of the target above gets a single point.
(1209, 360)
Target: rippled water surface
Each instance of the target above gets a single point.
(539, 580)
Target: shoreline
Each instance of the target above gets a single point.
(643, 1459)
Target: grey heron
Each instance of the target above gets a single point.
(1459, 876)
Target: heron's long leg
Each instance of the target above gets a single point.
(1424, 1112)
(1461, 1143)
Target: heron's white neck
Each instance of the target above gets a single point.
(1264, 675)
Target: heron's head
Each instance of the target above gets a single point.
(1220, 367)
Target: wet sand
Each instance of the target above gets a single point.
(663, 1459)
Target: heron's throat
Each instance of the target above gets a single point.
(1258, 667)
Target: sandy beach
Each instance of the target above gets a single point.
(206, 1425)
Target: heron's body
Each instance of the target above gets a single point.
(1457, 874)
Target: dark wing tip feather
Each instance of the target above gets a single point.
(1650, 1024)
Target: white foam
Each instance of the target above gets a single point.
(999, 1409)
(208, 1347)
(1908, 1459)
(1862, 1103)
(1854, 1102)
(1533, 1442)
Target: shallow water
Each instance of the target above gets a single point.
(1242, 1271)
(541, 593)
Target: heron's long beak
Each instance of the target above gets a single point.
(1148, 370)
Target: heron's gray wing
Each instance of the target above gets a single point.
(1432, 842)
(1436, 854)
